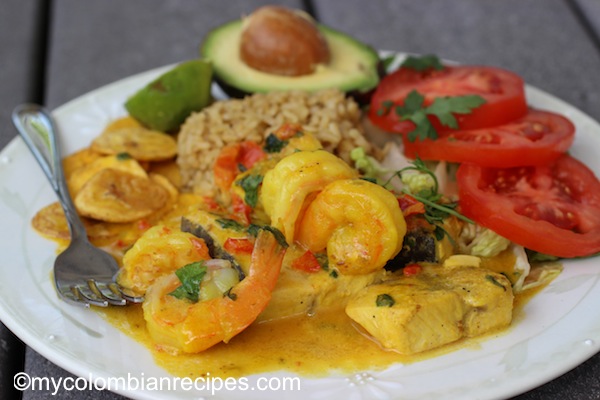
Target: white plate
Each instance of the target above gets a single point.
(560, 329)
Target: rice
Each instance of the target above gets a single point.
(331, 116)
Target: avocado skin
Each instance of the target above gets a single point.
(166, 102)
(360, 85)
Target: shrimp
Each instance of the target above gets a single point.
(182, 326)
(288, 186)
(159, 251)
(358, 222)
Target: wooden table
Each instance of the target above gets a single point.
(52, 52)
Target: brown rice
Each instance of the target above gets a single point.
(332, 117)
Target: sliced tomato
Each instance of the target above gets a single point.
(503, 91)
(552, 209)
(535, 139)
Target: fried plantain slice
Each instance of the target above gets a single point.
(168, 169)
(117, 196)
(81, 158)
(123, 123)
(51, 223)
(122, 162)
(142, 144)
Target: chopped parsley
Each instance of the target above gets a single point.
(443, 108)
(273, 144)
(228, 223)
(123, 156)
(252, 229)
(190, 277)
(494, 281)
(278, 235)
(250, 184)
(384, 300)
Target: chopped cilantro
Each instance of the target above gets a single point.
(250, 184)
(384, 300)
(190, 276)
(273, 144)
(253, 230)
(494, 281)
(123, 156)
(227, 223)
(278, 235)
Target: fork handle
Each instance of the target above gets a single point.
(37, 128)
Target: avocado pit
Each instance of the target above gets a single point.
(280, 41)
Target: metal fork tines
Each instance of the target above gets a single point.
(83, 274)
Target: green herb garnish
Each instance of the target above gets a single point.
(250, 184)
(253, 230)
(191, 277)
(278, 235)
(384, 300)
(423, 63)
(273, 144)
(228, 223)
(123, 156)
(436, 209)
(494, 281)
(443, 108)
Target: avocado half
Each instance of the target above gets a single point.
(354, 67)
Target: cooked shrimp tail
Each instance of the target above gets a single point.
(180, 325)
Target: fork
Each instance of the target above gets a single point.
(83, 274)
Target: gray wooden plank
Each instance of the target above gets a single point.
(590, 10)
(19, 52)
(95, 43)
(541, 40)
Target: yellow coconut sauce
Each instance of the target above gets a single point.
(319, 345)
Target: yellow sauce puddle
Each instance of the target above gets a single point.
(324, 344)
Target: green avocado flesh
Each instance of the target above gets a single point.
(353, 65)
(166, 102)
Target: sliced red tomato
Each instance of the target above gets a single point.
(503, 91)
(535, 139)
(552, 209)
